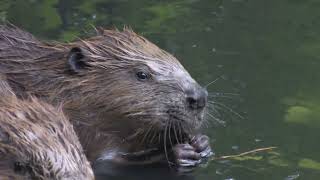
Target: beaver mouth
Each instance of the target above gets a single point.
(163, 128)
(179, 127)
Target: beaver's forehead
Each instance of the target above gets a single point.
(171, 71)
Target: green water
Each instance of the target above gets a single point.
(267, 51)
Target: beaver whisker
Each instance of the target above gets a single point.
(226, 107)
(134, 135)
(146, 114)
(156, 111)
(159, 137)
(180, 131)
(147, 133)
(221, 96)
(214, 116)
(175, 133)
(206, 123)
(216, 119)
(177, 113)
(223, 93)
(165, 144)
(176, 118)
(212, 82)
(155, 133)
(212, 108)
(170, 127)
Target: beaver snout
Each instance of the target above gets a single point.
(196, 98)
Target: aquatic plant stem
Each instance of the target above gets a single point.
(244, 153)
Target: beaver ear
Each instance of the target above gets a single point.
(76, 60)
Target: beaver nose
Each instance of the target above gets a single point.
(197, 98)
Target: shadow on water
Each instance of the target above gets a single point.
(106, 171)
(266, 50)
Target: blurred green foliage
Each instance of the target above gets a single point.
(266, 50)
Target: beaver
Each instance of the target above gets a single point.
(129, 101)
(38, 142)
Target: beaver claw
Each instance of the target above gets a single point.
(190, 155)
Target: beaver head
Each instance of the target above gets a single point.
(114, 84)
(144, 88)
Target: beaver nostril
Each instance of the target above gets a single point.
(197, 98)
(192, 102)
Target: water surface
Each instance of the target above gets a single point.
(268, 51)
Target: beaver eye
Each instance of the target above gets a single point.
(142, 75)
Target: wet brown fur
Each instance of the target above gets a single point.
(38, 142)
(104, 100)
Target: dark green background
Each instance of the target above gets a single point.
(268, 51)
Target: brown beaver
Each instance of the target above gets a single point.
(38, 142)
(129, 100)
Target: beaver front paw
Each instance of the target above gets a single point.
(190, 155)
(201, 144)
(186, 156)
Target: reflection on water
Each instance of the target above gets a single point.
(265, 50)
(155, 172)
